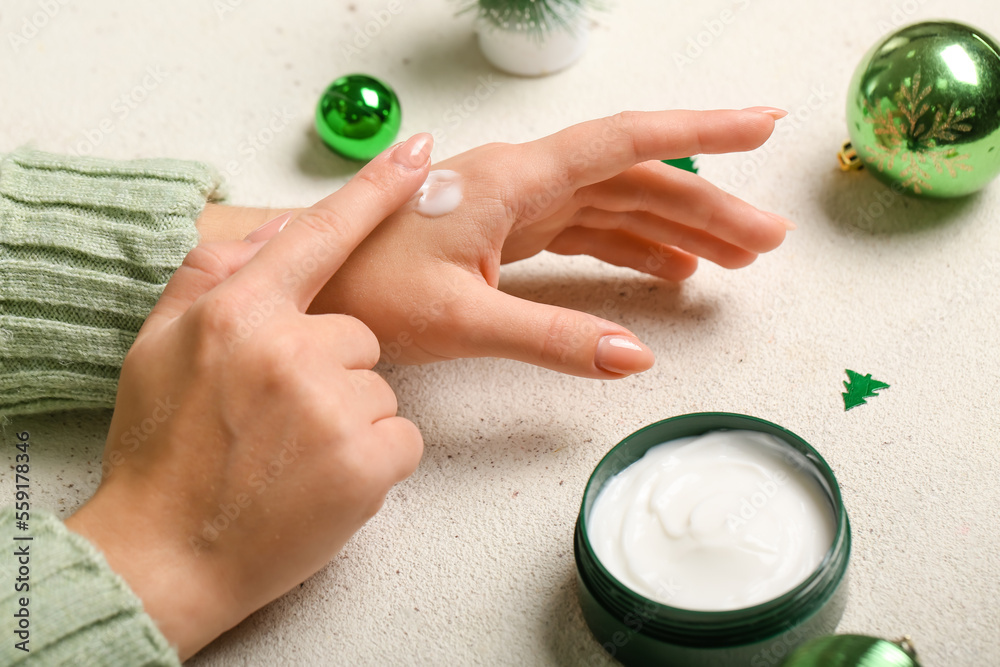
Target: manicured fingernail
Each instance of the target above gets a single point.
(269, 228)
(788, 224)
(415, 151)
(773, 112)
(622, 355)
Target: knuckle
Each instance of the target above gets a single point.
(711, 216)
(563, 336)
(625, 121)
(371, 181)
(624, 126)
(207, 259)
(353, 463)
(210, 326)
(325, 221)
(495, 146)
(700, 139)
(411, 437)
(368, 383)
(446, 311)
(280, 360)
(359, 335)
(214, 314)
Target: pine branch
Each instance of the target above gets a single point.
(944, 130)
(536, 17)
(911, 103)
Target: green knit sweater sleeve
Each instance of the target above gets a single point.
(79, 612)
(86, 247)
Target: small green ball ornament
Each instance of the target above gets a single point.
(358, 116)
(923, 109)
(853, 651)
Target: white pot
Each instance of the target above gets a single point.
(521, 53)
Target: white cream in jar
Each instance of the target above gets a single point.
(721, 521)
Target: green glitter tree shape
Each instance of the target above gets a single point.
(908, 138)
(859, 387)
(536, 17)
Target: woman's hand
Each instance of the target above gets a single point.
(427, 286)
(250, 440)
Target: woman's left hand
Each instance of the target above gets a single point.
(427, 286)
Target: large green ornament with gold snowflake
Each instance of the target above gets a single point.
(923, 109)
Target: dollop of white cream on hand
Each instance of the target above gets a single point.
(440, 194)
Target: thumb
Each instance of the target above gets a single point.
(500, 325)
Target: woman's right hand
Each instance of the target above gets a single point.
(251, 440)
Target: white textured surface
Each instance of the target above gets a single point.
(471, 560)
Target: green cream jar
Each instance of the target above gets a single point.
(701, 513)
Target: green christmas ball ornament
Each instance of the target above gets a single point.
(923, 110)
(358, 116)
(853, 651)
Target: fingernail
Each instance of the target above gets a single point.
(622, 355)
(269, 228)
(415, 151)
(788, 224)
(773, 112)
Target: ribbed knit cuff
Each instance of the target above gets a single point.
(79, 611)
(86, 247)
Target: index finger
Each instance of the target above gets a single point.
(300, 260)
(596, 150)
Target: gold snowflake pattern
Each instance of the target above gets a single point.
(907, 137)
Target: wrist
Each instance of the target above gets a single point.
(232, 223)
(177, 591)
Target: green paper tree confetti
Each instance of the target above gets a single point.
(685, 163)
(859, 387)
